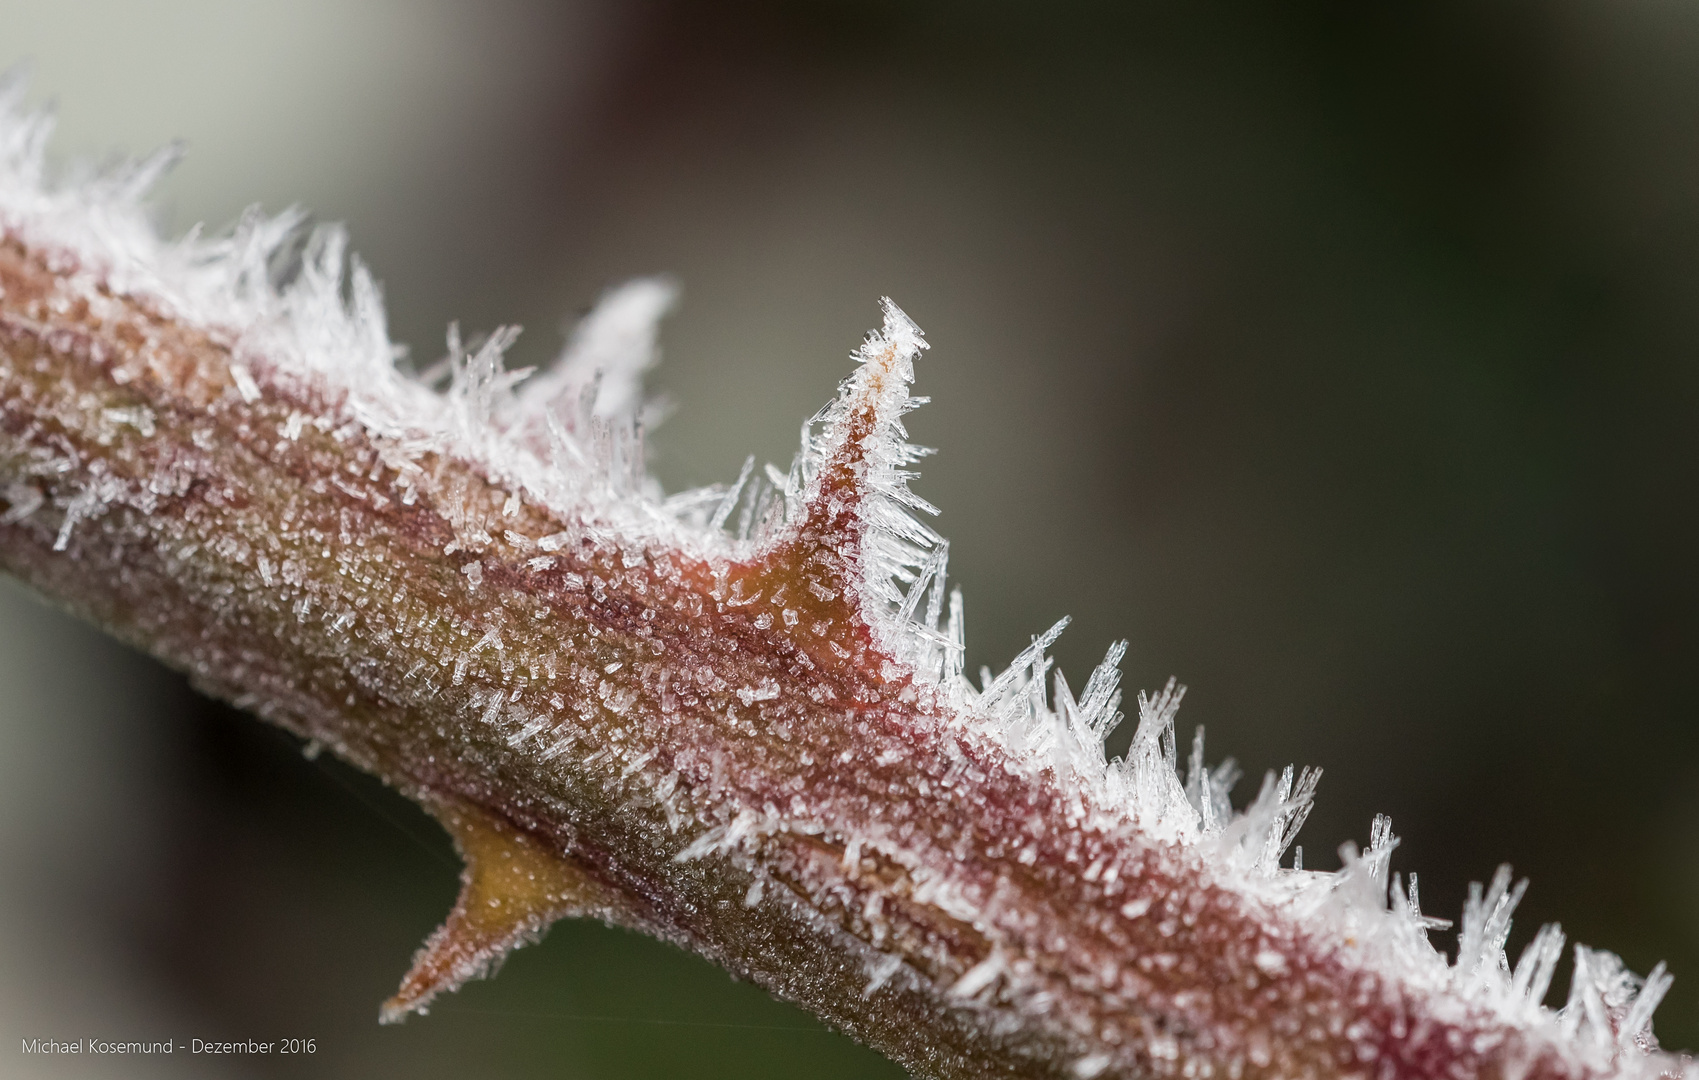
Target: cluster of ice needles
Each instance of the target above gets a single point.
(288, 301)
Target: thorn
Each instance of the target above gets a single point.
(814, 576)
(512, 888)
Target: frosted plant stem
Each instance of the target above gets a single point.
(742, 746)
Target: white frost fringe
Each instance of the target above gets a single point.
(287, 301)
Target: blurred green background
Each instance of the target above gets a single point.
(1345, 360)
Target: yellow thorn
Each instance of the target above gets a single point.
(512, 888)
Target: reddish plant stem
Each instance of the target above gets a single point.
(716, 753)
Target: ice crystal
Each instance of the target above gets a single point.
(292, 306)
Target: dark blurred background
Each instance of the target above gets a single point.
(1343, 360)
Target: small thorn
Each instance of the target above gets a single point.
(811, 579)
(512, 888)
